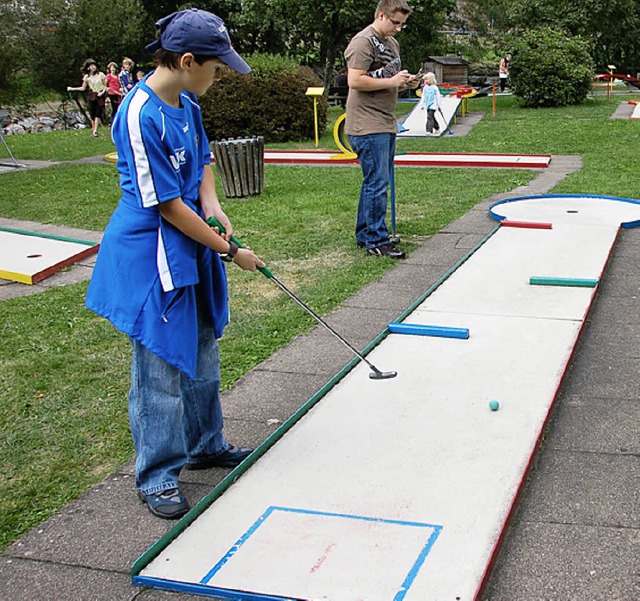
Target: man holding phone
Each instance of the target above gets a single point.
(375, 76)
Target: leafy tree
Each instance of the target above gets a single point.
(104, 31)
(613, 26)
(550, 68)
(318, 32)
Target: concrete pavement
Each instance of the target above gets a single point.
(575, 534)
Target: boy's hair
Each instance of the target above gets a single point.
(388, 7)
(127, 61)
(430, 78)
(171, 60)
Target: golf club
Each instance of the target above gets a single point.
(393, 200)
(376, 374)
(448, 130)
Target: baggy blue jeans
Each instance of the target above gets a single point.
(376, 155)
(172, 417)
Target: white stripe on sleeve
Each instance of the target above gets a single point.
(140, 157)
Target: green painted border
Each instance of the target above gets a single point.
(50, 236)
(150, 554)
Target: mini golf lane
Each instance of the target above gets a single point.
(414, 124)
(29, 257)
(401, 489)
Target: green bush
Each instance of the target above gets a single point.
(269, 102)
(551, 68)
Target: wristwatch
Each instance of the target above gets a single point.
(231, 253)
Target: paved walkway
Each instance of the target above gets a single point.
(575, 535)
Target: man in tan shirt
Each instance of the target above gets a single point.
(375, 75)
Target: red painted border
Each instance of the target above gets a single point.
(45, 273)
(500, 540)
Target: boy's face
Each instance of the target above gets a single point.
(201, 77)
(389, 25)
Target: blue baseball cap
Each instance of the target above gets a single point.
(199, 32)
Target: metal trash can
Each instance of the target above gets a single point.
(240, 165)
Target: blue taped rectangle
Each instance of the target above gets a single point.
(426, 330)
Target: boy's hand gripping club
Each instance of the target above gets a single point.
(376, 374)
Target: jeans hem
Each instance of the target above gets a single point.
(159, 488)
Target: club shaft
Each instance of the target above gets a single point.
(321, 321)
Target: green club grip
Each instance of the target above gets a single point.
(213, 222)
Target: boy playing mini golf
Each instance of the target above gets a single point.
(159, 276)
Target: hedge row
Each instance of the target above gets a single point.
(270, 102)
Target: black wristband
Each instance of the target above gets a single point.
(231, 253)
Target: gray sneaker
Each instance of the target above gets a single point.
(167, 504)
(386, 250)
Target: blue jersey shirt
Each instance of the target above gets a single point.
(146, 273)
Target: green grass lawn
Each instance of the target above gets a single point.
(64, 372)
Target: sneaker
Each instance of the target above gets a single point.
(392, 240)
(232, 457)
(167, 504)
(386, 250)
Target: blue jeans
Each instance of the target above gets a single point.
(172, 417)
(375, 153)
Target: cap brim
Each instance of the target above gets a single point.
(235, 61)
(153, 46)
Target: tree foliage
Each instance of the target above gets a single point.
(612, 26)
(551, 68)
(52, 39)
(317, 33)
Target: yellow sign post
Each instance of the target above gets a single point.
(315, 93)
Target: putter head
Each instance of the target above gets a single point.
(382, 375)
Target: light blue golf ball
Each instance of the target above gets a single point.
(494, 405)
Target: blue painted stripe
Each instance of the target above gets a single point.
(203, 590)
(245, 596)
(408, 581)
(426, 330)
(236, 547)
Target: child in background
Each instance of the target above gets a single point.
(431, 101)
(113, 88)
(160, 276)
(126, 77)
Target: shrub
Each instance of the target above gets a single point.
(270, 101)
(551, 68)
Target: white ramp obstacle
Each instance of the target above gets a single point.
(29, 257)
(401, 489)
(415, 123)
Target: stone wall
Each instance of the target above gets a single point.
(35, 120)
